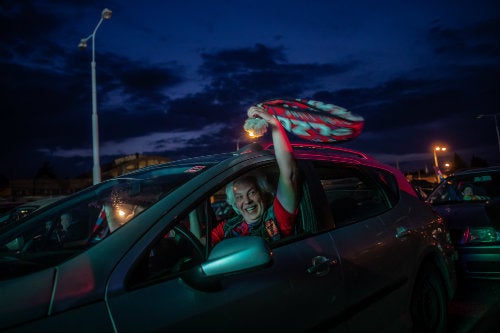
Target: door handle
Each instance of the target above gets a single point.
(321, 265)
(402, 232)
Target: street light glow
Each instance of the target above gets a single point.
(436, 164)
(82, 44)
(436, 149)
(249, 134)
(105, 14)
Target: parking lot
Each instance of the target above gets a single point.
(476, 307)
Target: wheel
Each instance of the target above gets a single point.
(429, 302)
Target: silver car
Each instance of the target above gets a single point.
(366, 255)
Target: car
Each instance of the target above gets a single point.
(469, 202)
(24, 209)
(6, 205)
(366, 253)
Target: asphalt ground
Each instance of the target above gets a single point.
(475, 307)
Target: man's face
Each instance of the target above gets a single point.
(248, 200)
(65, 221)
(468, 191)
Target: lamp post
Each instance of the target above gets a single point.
(436, 164)
(494, 115)
(105, 14)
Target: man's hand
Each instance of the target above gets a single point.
(258, 112)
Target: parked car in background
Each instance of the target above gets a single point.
(366, 255)
(6, 205)
(469, 202)
(22, 210)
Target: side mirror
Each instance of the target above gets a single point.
(231, 256)
(16, 245)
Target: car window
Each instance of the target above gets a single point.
(388, 182)
(188, 240)
(226, 211)
(173, 252)
(354, 195)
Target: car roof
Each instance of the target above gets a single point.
(471, 171)
(326, 149)
(300, 150)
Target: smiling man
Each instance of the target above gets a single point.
(270, 219)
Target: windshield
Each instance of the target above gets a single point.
(467, 188)
(51, 235)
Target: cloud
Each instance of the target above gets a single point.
(149, 143)
(478, 41)
(410, 93)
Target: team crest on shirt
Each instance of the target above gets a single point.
(271, 228)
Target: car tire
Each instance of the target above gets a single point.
(428, 306)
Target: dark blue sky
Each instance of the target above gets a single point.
(174, 78)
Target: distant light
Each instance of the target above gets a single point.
(106, 13)
(83, 44)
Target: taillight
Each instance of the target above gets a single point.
(480, 235)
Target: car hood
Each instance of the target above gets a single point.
(460, 215)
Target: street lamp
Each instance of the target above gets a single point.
(436, 164)
(494, 115)
(105, 14)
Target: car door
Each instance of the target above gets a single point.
(371, 253)
(301, 289)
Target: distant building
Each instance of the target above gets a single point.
(129, 163)
(45, 186)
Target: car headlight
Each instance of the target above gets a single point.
(481, 235)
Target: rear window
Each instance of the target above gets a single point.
(354, 194)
